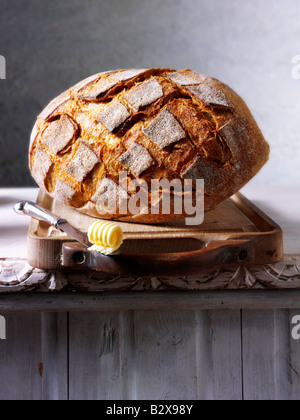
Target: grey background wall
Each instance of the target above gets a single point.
(249, 44)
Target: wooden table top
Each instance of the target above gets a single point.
(281, 204)
(222, 289)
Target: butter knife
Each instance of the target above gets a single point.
(31, 209)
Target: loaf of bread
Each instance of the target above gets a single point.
(151, 124)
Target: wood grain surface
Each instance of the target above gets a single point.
(208, 344)
(17, 276)
(142, 355)
(234, 233)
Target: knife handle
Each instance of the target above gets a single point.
(31, 209)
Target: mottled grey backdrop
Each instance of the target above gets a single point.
(249, 44)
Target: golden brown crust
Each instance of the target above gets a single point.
(154, 124)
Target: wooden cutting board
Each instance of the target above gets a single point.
(233, 233)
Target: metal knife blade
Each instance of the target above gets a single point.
(37, 212)
(73, 232)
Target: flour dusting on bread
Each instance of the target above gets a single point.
(152, 124)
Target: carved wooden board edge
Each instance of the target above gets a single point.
(17, 276)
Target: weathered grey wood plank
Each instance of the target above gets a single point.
(258, 355)
(188, 355)
(203, 355)
(94, 372)
(226, 355)
(267, 368)
(155, 355)
(294, 360)
(132, 301)
(127, 355)
(166, 360)
(146, 354)
(54, 342)
(21, 358)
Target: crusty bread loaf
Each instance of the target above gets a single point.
(154, 124)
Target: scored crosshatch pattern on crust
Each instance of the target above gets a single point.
(196, 170)
(144, 94)
(137, 159)
(42, 165)
(99, 89)
(156, 123)
(113, 116)
(63, 191)
(54, 105)
(60, 133)
(108, 186)
(111, 193)
(124, 75)
(210, 95)
(187, 78)
(164, 130)
(83, 162)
